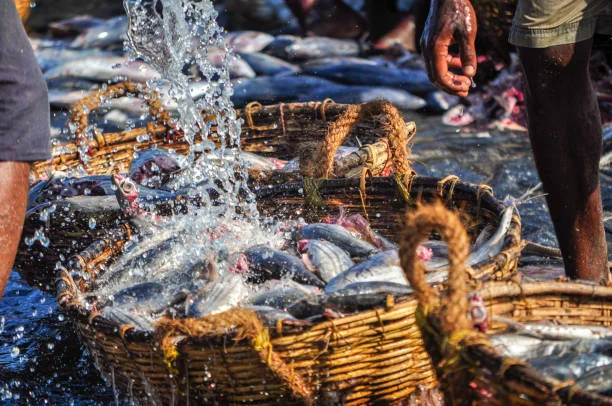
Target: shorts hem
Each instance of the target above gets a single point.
(569, 33)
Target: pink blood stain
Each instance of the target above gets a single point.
(424, 253)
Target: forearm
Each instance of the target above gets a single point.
(13, 201)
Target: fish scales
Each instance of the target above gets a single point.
(266, 263)
(339, 236)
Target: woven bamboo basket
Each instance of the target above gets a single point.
(375, 356)
(469, 368)
(276, 130)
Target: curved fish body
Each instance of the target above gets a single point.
(266, 263)
(493, 245)
(153, 168)
(325, 259)
(102, 69)
(122, 317)
(382, 267)
(570, 366)
(558, 332)
(295, 48)
(221, 295)
(136, 293)
(60, 188)
(248, 42)
(110, 32)
(268, 65)
(338, 236)
(274, 89)
(283, 294)
(374, 74)
(357, 94)
(364, 295)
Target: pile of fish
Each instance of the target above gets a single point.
(579, 353)
(285, 270)
(80, 55)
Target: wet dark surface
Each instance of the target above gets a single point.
(41, 361)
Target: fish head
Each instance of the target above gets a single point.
(127, 194)
(477, 312)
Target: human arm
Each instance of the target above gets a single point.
(13, 201)
(450, 22)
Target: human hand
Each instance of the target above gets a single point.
(450, 22)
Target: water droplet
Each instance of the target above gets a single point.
(15, 351)
(92, 223)
(61, 317)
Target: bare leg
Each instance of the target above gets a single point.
(14, 198)
(565, 133)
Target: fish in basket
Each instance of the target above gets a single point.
(346, 338)
(547, 342)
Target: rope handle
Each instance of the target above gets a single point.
(397, 131)
(418, 225)
(80, 111)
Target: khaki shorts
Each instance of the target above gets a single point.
(546, 23)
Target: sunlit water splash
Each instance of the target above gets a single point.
(174, 37)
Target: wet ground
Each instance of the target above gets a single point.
(41, 362)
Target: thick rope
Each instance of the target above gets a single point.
(394, 126)
(418, 226)
(244, 325)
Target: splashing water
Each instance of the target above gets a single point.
(174, 36)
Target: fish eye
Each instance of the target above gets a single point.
(127, 186)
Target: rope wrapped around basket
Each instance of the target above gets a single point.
(80, 111)
(461, 355)
(244, 325)
(395, 128)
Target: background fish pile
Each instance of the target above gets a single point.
(578, 353)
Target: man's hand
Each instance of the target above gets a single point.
(450, 22)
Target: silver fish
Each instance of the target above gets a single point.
(367, 73)
(123, 317)
(248, 42)
(49, 58)
(274, 89)
(364, 295)
(111, 32)
(238, 68)
(364, 94)
(339, 236)
(103, 69)
(268, 65)
(76, 24)
(282, 294)
(325, 259)
(570, 366)
(266, 263)
(557, 331)
(382, 267)
(218, 296)
(295, 48)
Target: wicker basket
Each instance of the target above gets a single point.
(369, 357)
(276, 130)
(469, 368)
